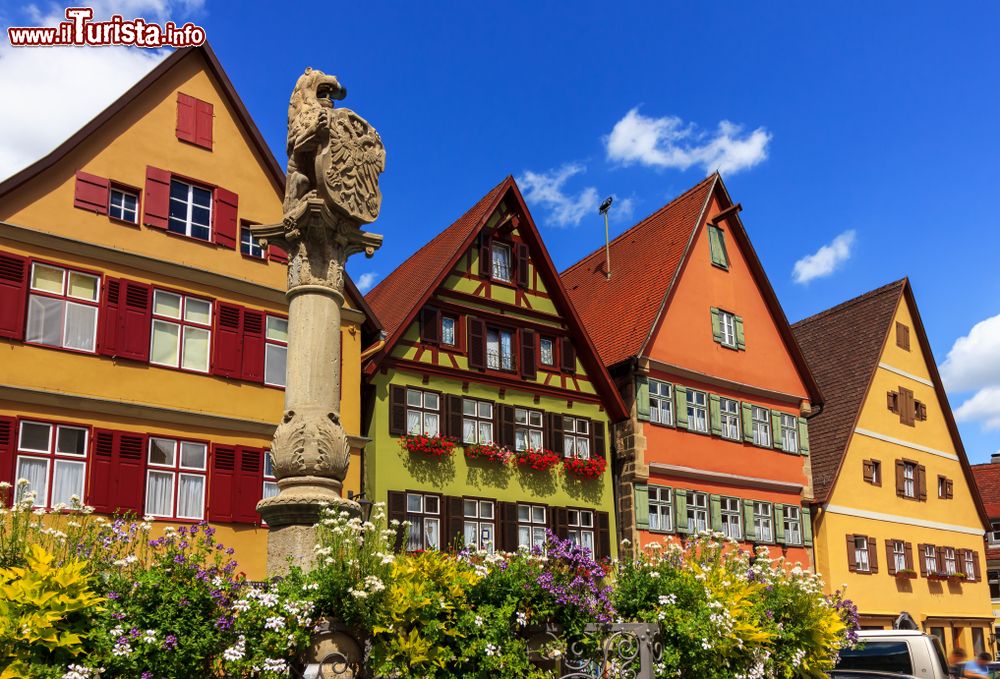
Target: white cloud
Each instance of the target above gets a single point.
(824, 261)
(984, 406)
(54, 91)
(366, 280)
(546, 189)
(974, 360)
(669, 142)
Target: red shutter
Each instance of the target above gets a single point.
(156, 205)
(249, 485)
(477, 344)
(253, 345)
(7, 452)
(117, 472)
(13, 295)
(91, 193)
(203, 123)
(567, 355)
(222, 484)
(276, 254)
(522, 265)
(109, 318)
(186, 124)
(131, 472)
(227, 358)
(529, 343)
(224, 225)
(100, 492)
(136, 320)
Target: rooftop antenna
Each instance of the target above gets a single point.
(605, 206)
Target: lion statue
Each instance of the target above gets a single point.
(333, 154)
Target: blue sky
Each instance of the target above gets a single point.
(868, 128)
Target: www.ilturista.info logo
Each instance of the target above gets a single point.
(80, 29)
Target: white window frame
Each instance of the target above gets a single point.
(661, 402)
(727, 329)
(789, 433)
(122, 211)
(581, 530)
(449, 330)
(576, 437)
(697, 411)
(531, 524)
(250, 246)
(498, 360)
(551, 344)
(950, 561)
(697, 512)
(994, 535)
(182, 325)
(270, 486)
(899, 555)
(426, 405)
(176, 470)
(188, 220)
(54, 458)
(275, 346)
(862, 560)
(729, 419)
(969, 560)
(529, 428)
(763, 522)
(761, 419)
(502, 270)
(479, 414)
(930, 559)
(731, 511)
(67, 301)
(792, 520)
(909, 479)
(660, 503)
(422, 511)
(481, 521)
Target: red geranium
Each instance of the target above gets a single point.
(538, 459)
(590, 468)
(432, 446)
(488, 451)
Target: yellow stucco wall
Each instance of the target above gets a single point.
(861, 508)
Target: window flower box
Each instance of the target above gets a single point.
(431, 446)
(906, 573)
(590, 468)
(490, 452)
(956, 577)
(537, 459)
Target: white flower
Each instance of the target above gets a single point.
(275, 623)
(492, 649)
(479, 621)
(237, 651)
(522, 619)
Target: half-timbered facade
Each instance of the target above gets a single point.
(485, 349)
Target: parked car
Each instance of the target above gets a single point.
(895, 652)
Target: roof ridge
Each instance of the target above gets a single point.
(638, 224)
(843, 306)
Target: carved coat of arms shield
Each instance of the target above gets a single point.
(348, 166)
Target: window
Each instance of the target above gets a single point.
(424, 514)
(499, 349)
(270, 484)
(763, 522)
(52, 459)
(761, 426)
(123, 205)
(531, 526)
(729, 418)
(969, 563)
(501, 260)
(717, 246)
(175, 479)
(732, 518)
(480, 529)
(182, 331)
(994, 534)
(477, 421)
(946, 489)
(249, 245)
(993, 577)
(899, 555)
(190, 210)
(789, 433)
(581, 528)
(861, 554)
(930, 559)
(661, 402)
(527, 429)
(697, 512)
(576, 437)
(697, 411)
(872, 470)
(902, 336)
(276, 351)
(792, 517)
(880, 656)
(950, 563)
(448, 330)
(423, 412)
(546, 351)
(661, 510)
(909, 479)
(727, 329)
(62, 308)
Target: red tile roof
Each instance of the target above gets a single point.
(988, 481)
(644, 260)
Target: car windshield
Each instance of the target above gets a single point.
(878, 656)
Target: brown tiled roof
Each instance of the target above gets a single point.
(403, 289)
(842, 346)
(988, 482)
(644, 260)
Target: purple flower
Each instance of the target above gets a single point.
(230, 551)
(170, 643)
(113, 596)
(147, 675)
(179, 559)
(224, 623)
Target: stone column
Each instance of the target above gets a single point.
(335, 158)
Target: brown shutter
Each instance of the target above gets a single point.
(529, 342)
(908, 551)
(522, 265)
(921, 410)
(950, 487)
(902, 336)
(599, 447)
(506, 425)
(560, 522)
(900, 483)
(921, 482)
(852, 562)
(455, 537)
(868, 469)
(430, 325)
(477, 344)
(397, 511)
(890, 557)
(567, 355)
(873, 555)
(892, 401)
(453, 416)
(485, 268)
(507, 528)
(554, 438)
(975, 566)
(397, 410)
(923, 561)
(906, 409)
(603, 535)
(939, 559)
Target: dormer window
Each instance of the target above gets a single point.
(190, 210)
(124, 206)
(500, 256)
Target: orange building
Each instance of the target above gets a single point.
(142, 328)
(693, 335)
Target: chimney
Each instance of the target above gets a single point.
(995, 459)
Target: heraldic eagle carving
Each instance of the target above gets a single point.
(333, 153)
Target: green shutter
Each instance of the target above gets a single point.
(716, 326)
(741, 342)
(714, 415)
(776, 429)
(748, 531)
(715, 504)
(807, 528)
(717, 245)
(641, 507)
(779, 523)
(642, 397)
(747, 422)
(803, 436)
(681, 510)
(681, 404)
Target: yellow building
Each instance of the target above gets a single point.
(898, 518)
(142, 329)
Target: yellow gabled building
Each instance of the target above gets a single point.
(897, 517)
(142, 329)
